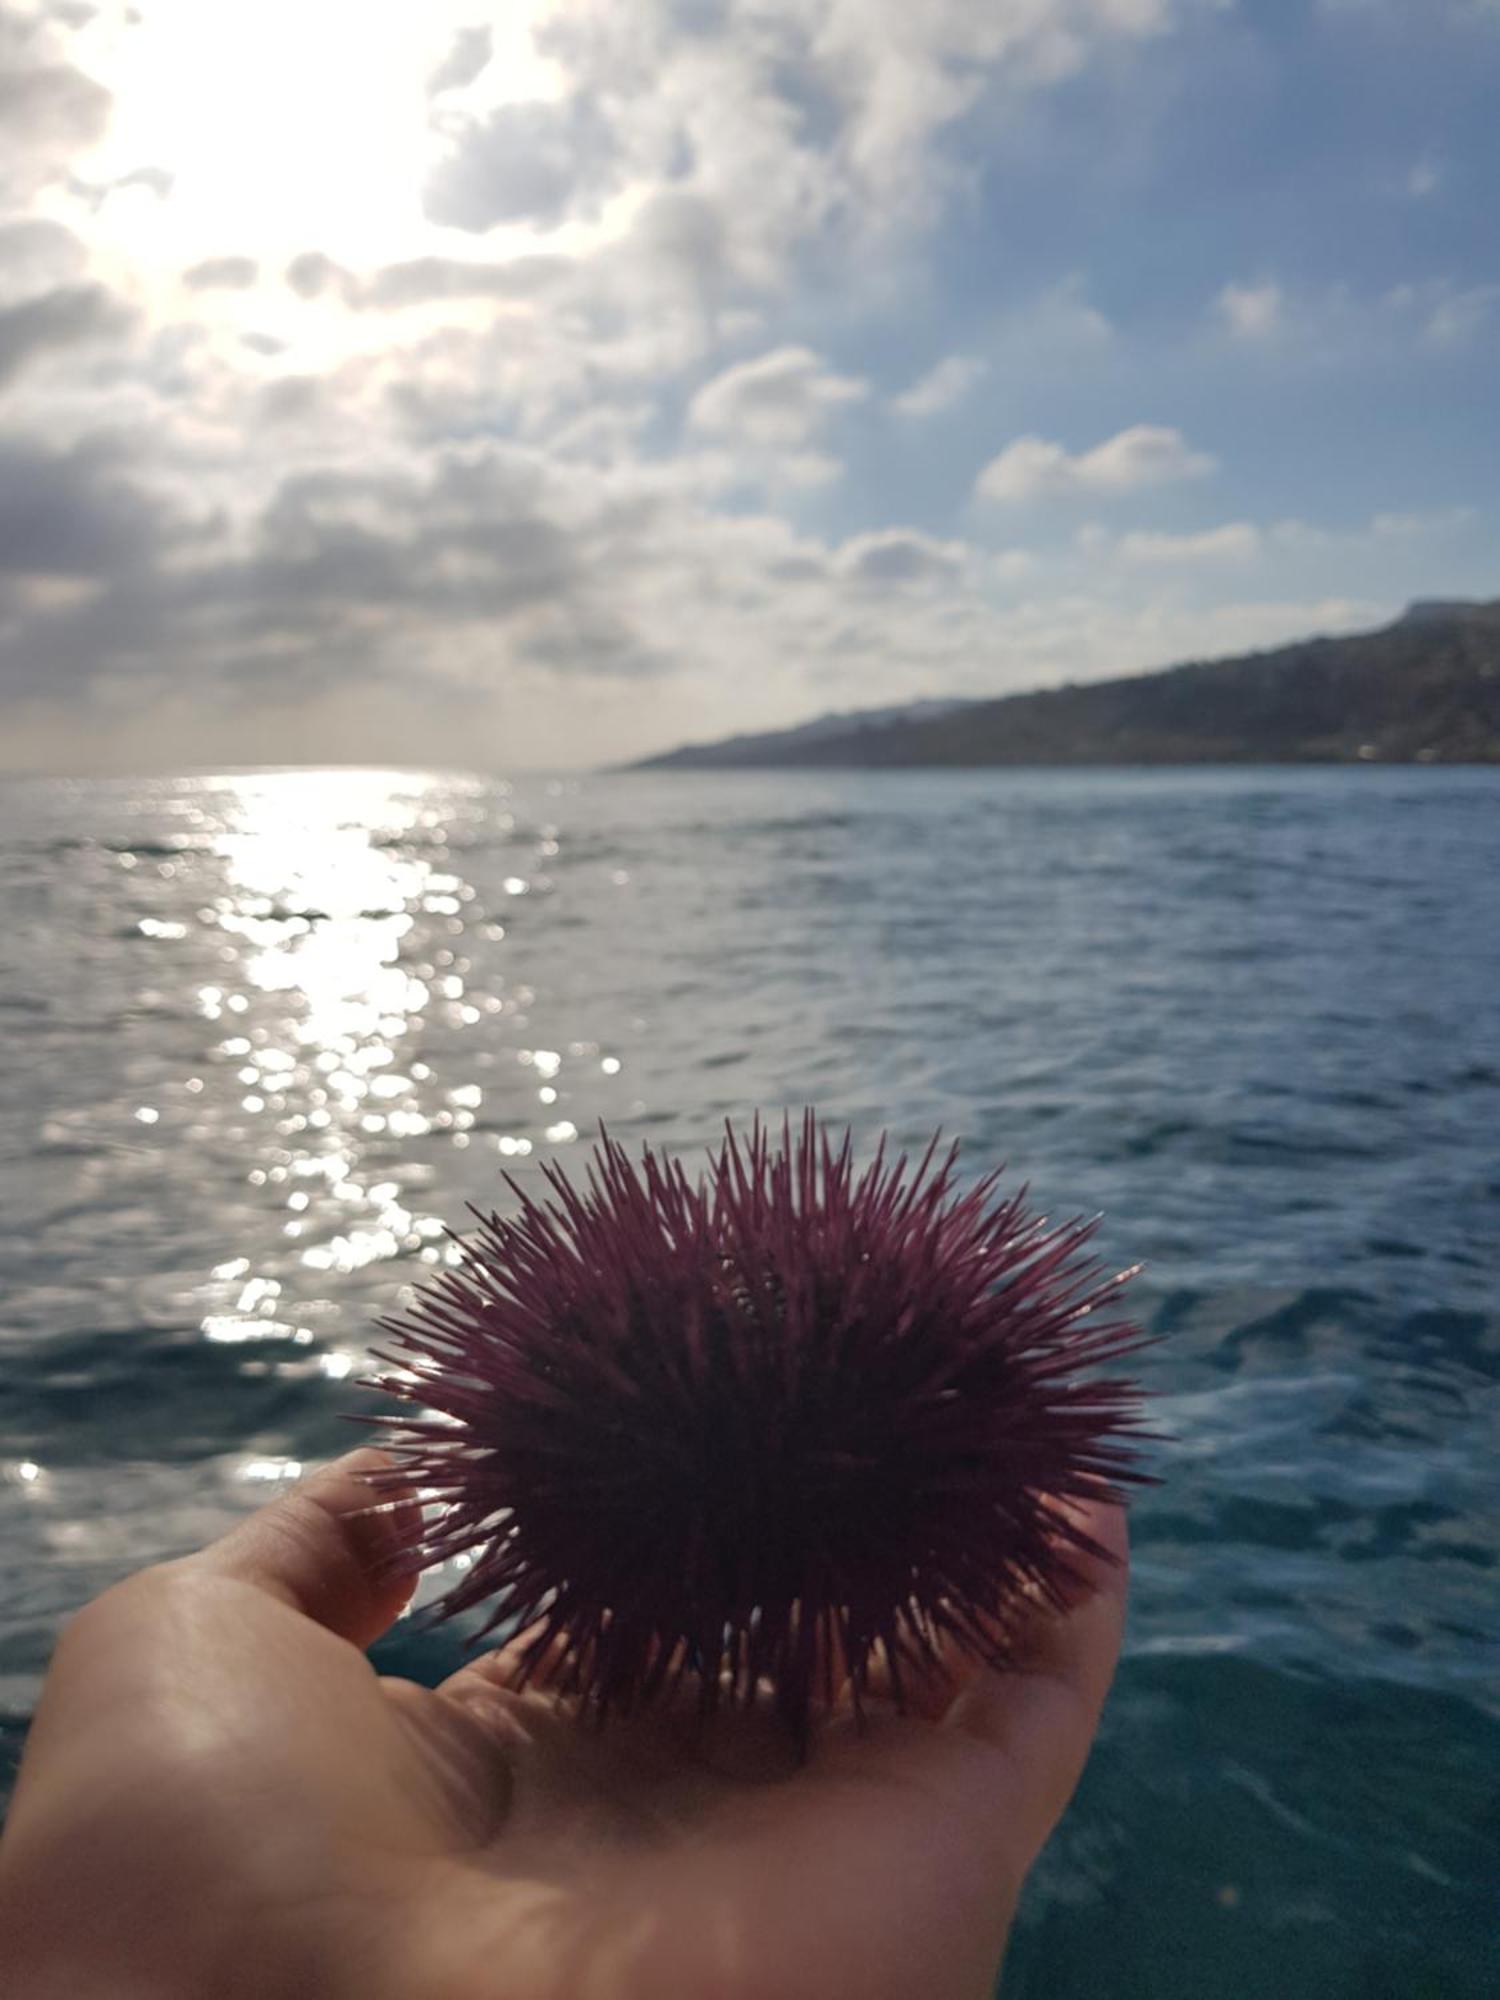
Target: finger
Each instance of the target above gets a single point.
(328, 1549)
(1042, 1713)
(171, 1657)
(929, 1687)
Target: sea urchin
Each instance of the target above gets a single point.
(730, 1432)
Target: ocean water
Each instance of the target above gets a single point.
(262, 1035)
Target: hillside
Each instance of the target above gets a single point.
(1423, 690)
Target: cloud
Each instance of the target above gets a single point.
(1375, 537)
(385, 608)
(494, 573)
(472, 542)
(37, 252)
(68, 316)
(1477, 13)
(222, 274)
(1439, 522)
(943, 387)
(1460, 316)
(1441, 315)
(1013, 566)
(338, 578)
(467, 58)
(159, 181)
(1063, 319)
(292, 399)
(1252, 312)
(74, 513)
(1336, 326)
(1235, 542)
(1035, 468)
(780, 399)
(429, 280)
(535, 163)
(896, 558)
(496, 494)
(312, 274)
(802, 121)
(49, 109)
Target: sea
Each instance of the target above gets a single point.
(262, 1036)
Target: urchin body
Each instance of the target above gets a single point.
(762, 1432)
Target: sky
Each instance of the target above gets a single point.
(541, 385)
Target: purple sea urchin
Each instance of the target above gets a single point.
(732, 1432)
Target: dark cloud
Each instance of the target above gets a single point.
(35, 252)
(312, 274)
(294, 399)
(467, 57)
(683, 228)
(113, 627)
(698, 17)
(222, 274)
(473, 542)
(799, 569)
(73, 513)
(536, 163)
(584, 638)
(65, 317)
(680, 241)
(900, 556)
(387, 560)
(344, 577)
(171, 361)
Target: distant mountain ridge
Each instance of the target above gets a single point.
(1425, 689)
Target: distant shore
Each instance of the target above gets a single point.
(1424, 690)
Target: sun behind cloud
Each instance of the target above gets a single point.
(546, 383)
(284, 123)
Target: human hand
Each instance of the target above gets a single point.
(221, 1798)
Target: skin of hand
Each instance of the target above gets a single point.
(220, 1797)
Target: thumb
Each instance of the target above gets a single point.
(330, 1548)
(1042, 1713)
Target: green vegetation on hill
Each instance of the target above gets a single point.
(1424, 690)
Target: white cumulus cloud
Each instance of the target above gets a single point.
(942, 387)
(1037, 468)
(488, 401)
(783, 398)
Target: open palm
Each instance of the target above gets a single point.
(221, 1797)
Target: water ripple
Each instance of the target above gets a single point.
(267, 1033)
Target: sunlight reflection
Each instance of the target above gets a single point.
(325, 879)
(344, 958)
(268, 1469)
(325, 908)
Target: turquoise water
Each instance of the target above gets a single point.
(263, 1034)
